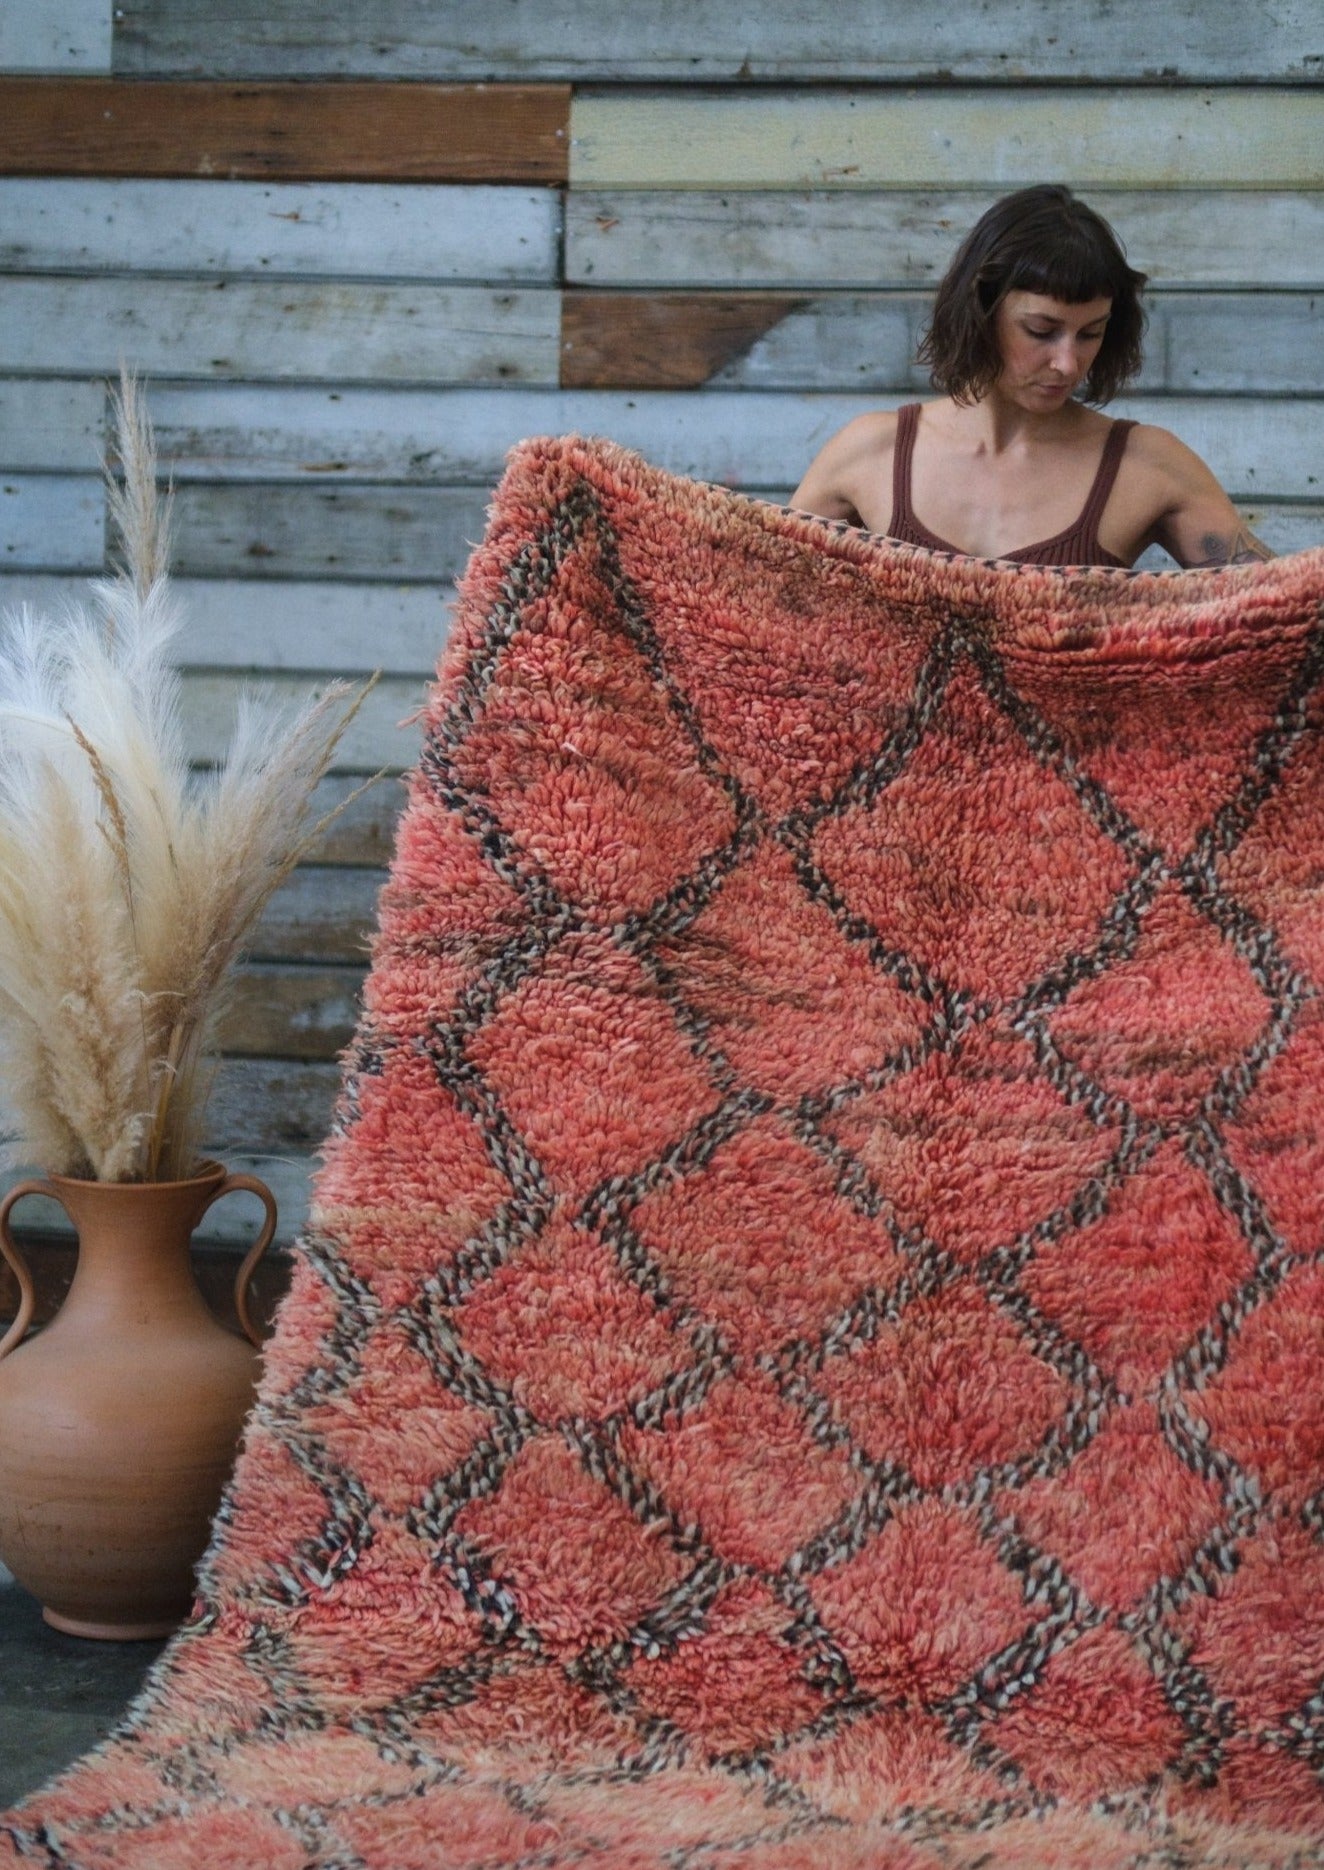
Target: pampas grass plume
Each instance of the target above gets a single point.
(129, 884)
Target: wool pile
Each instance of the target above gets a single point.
(809, 1354)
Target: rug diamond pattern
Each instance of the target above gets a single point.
(893, 1012)
(860, 1480)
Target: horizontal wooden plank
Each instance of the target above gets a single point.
(814, 39)
(352, 230)
(283, 1010)
(1263, 449)
(1258, 450)
(52, 520)
(321, 913)
(1295, 528)
(217, 432)
(299, 132)
(666, 340)
(270, 1104)
(949, 137)
(379, 736)
(51, 425)
(55, 35)
(1245, 343)
(1252, 342)
(906, 237)
(252, 624)
(362, 832)
(233, 1221)
(401, 629)
(279, 330)
(247, 529)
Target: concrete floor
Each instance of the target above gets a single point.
(59, 1695)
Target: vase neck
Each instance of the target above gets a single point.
(133, 1246)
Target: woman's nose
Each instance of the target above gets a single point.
(1066, 356)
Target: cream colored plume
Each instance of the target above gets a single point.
(128, 885)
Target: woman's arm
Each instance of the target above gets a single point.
(1197, 522)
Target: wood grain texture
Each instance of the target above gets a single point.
(325, 626)
(362, 833)
(381, 736)
(54, 426)
(949, 137)
(52, 521)
(284, 1010)
(1261, 449)
(1265, 343)
(346, 230)
(55, 35)
(674, 340)
(270, 1104)
(344, 132)
(320, 914)
(279, 330)
(816, 239)
(687, 40)
(389, 533)
(248, 624)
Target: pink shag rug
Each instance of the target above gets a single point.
(810, 1352)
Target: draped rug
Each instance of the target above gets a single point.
(809, 1349)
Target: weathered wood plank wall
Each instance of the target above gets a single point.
(360, 252)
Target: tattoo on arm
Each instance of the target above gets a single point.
(1238, 548)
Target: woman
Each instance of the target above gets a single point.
(1038, 304)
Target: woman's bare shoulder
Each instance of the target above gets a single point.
(831, 483)
(1186, 509)
(1158, 452)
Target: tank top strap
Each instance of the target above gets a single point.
(903, 449)
(1114, 445)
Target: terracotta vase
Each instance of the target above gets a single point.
(119, 1421)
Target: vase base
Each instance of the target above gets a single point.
(111, 1632)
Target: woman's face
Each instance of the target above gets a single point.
(1047, 347)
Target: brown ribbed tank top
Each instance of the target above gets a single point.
(1076, 544)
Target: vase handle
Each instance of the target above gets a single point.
(244, 1276)
(9, 1247)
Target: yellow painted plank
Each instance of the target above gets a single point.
(1091, 136)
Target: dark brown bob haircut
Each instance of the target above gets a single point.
(1041, 240)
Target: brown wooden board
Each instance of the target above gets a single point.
(672, 340)
(345, 132)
